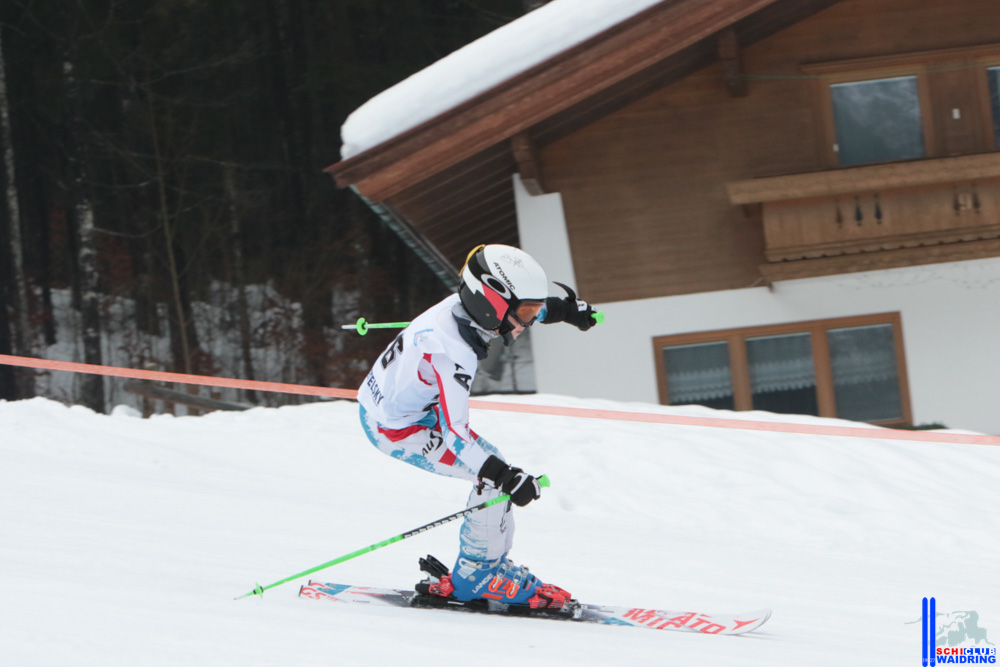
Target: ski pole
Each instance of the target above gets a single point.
(362, 327)
(259, 590)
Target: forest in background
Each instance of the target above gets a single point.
(163, 159)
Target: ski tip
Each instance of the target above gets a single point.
(543, 481)
(757, 618)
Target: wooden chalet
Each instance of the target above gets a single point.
(786, 205)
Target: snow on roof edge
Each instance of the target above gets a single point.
(481, 65)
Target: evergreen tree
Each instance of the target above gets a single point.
(169, 146)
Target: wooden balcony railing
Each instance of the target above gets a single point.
(877, 216)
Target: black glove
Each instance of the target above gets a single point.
(521, 488)
(569, 309)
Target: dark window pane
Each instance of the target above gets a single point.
(699, 374)
(865, 376)
(782, 374)
(994, 77)
(877, 121)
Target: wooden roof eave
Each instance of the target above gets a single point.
(536, 94)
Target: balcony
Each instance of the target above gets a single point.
(876, 216)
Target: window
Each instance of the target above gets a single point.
(701, 374)
(993, 75)
(908, 106)
(865, 373)
(850, 368)
(877, 120)
(782, 373)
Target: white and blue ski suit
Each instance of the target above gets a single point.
(415, 407)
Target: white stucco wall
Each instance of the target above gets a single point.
(950, 317)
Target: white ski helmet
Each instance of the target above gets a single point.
(500, 280)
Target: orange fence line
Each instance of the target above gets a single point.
(743, 424)
(552, 410)
(204, 380)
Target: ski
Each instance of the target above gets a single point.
(654, 619)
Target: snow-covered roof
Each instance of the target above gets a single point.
(481, 65)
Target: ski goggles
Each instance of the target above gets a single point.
(526, 312)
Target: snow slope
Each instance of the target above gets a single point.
(123, 541)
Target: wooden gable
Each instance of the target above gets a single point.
(691, 189)
(450, 178)
(669, 135)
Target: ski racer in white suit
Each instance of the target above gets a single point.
(415, 407)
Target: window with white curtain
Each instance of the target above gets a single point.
(782, 373)
(850, 368)
(701, 374)
(865, 374)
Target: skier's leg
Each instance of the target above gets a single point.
(488, 534)
(422, 445)
(482, 569)
(431, 446)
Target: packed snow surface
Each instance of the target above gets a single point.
(481, 65)
(123, 541)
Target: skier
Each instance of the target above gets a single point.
(415, 407)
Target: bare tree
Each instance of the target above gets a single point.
(91, 386)
(22, 326)
(239, 277)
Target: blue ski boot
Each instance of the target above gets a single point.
(504, 582)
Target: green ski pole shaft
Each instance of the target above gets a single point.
(259, 590)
